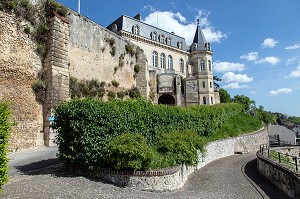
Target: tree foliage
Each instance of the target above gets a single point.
(224, 96)
(245, 101)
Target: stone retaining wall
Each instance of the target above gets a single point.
(175, 177)
(285, 179)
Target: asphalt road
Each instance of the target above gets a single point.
(38, 174)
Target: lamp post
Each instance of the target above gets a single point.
(78, 6)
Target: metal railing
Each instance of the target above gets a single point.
(288, 161)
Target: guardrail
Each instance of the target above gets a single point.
(288, 161)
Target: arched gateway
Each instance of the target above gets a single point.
(166, 99)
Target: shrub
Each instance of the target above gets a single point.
(134, 93)
(180, 147)
(27, 29)
(102, 84)
(86, 126)
(115, 83)
(5, 127)
(111, 95)
(121, 94)
(115, 69)
(38, 85)
(129, 152)
(137, 68)
(113, 51)
(59, 8)
(112, 42)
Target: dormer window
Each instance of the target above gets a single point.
(168, 41)
(207, 46)
(154, 36)
(114, 28)
(136, 30)
(162, 38)
(179, 45)
(194, 46)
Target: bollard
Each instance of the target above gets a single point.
(279, 157)
(268, 152)
(296, 163)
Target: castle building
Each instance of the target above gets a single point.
(176, 74)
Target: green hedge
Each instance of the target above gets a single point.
(86, 126)
(5, 127)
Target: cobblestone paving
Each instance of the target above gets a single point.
(232, 177)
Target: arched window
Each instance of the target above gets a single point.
(212, 100)
(204, 100)
(203, 84)
(170, 63)
(210, 84)
(154, 59)
(209, 65)
(136, 30)
(163, 61)
(162, 38)
(181, 64)
(202, 65)
(115, 28)
(154, 36)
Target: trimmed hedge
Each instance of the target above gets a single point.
(86, 126)
(5, 127)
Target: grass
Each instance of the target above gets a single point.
(235, 126)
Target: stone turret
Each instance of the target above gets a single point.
(201, 63)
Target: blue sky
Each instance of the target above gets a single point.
(256, 43)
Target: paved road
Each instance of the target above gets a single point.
(231, 177)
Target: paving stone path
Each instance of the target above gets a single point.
(37, 174)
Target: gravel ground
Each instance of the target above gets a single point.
(231, 177)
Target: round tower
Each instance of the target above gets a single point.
(201, 67)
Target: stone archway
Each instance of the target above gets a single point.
(167, 100)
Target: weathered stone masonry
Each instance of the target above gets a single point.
(56, 70)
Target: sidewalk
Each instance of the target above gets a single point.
(25, 160)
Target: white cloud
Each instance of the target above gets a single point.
(295, 73)
(291, 60)
(293, 47)
(176, 22)
(232, 77)
(253, 92)
(281, 91)
(228, 66)
(269, 43)
(252, 56)
(235, 86)
(270, 60)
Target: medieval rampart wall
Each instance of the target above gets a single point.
(91, 53)
(19, 67)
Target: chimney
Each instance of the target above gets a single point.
(138, 17)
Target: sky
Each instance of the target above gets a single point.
(256, 43)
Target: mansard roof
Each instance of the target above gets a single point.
(127, 24)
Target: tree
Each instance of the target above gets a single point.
(216, 78)
(224, 96)
(245, 101)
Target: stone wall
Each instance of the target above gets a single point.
(285, 179)
(91, 53)
(175, 179)
(19, 68)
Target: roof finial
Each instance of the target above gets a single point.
(198, 21)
